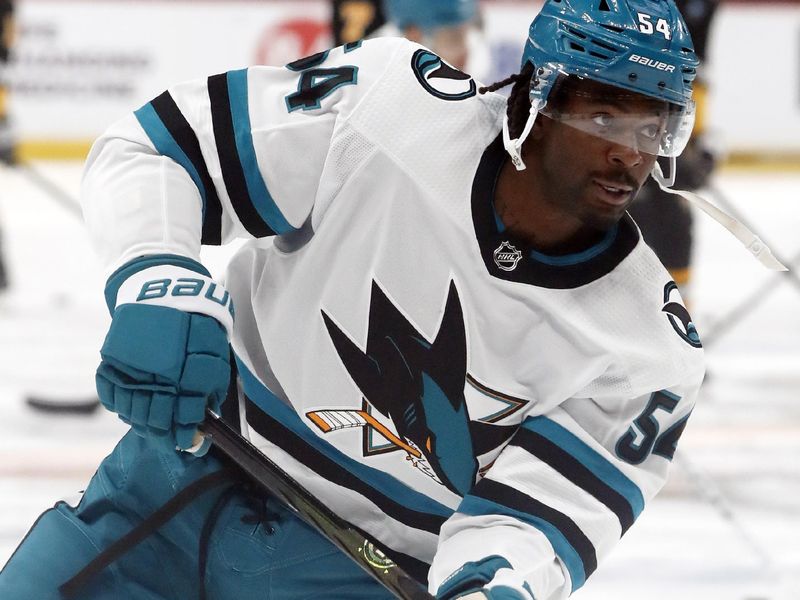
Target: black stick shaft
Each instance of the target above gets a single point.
(279, 484)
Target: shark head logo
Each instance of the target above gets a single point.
(418, 383)
(440, 79)
(679, 317)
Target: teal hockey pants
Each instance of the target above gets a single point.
(257, 549)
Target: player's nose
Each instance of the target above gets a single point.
(622, 155)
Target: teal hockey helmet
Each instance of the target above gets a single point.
(642, 46)
(639, 46)
(429, 15)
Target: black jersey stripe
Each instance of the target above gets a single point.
(571, 468)
(283, 437)
(230, 162)
(569, 542)
(183, 146)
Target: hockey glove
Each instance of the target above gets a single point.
(491, 578)
(162, 365)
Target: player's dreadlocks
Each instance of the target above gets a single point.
(519, 102)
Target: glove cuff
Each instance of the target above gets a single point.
(170, 281)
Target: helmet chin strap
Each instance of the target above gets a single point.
(750, 241)
(514, 147)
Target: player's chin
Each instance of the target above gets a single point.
(602, 216)
(603, 219)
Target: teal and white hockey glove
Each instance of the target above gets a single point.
(166, 355)
(491, 578)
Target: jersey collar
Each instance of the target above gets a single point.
(510, 258)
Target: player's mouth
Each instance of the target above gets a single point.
(613, 193)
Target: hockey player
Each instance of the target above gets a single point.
(442, 26)
(353, 20)
(446, 326)
(666, 220)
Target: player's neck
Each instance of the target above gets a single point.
(522, 204)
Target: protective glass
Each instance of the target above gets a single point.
(660, 132)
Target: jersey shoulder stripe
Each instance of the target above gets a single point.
(173, 137)
(260, 196)
(233, 169)
(569, 542)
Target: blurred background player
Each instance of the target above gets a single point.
(6, 138)
(665, 219)
(448, 27)
(355, 20)
(442, 26)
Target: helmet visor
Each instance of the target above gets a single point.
(660, 132)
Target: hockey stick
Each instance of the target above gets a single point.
(77, 405)
(276, 482)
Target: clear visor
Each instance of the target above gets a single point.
(660, 132)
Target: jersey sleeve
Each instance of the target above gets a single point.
(239, 154)
(560, 495)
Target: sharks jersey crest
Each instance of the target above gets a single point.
(418, 384)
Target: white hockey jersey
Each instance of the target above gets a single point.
(472, 404)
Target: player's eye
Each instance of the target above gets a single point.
(650, 132)
(602, 120)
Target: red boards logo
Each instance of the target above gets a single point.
(292, 39)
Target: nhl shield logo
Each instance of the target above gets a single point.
(506, 257)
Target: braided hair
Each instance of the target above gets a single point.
(519, 102)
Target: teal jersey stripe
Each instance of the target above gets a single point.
(389, 486)
(262, 200)
(579, 257)
(166, 145)
(475, 506)
(602, 468)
